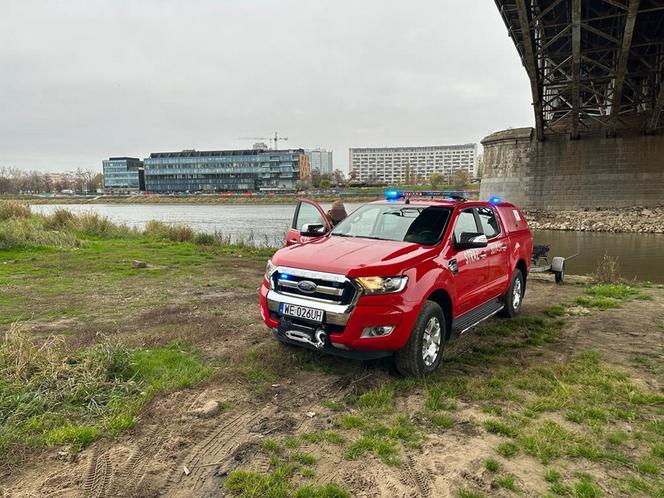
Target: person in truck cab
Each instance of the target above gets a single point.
(398, 277)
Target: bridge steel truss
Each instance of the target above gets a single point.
(592, 64)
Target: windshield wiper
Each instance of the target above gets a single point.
(342, 235)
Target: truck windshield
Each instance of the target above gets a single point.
(416, 224)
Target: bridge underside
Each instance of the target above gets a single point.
(591, 63)
(596, 70)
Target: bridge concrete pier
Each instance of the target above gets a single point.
(593, 171)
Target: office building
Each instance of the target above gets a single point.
(225, 170)
(321, 160)
(123, 174)
(402, 165)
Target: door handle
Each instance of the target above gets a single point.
(292, 241)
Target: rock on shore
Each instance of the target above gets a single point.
(632, 219)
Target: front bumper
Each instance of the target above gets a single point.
(343, 324)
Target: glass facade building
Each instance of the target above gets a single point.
(224, 170)
(123, 174)
(321, 160)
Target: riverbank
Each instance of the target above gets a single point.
(619, 220)
(198, 200)
(151, 373)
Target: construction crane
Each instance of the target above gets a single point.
(275, 139)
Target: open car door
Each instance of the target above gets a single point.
(307, 212)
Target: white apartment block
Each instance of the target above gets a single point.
(321, 160)
(395, 165)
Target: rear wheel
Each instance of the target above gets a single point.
(514, 296)
(424, 349)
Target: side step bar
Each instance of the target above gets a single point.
(473, 317)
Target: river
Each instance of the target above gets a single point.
(640, 256)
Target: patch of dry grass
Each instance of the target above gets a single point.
(14, 209)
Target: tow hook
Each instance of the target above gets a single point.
(298, 336)
(320, 339)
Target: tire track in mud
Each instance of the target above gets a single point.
(412, 477)
(98, 475)
(129, 475)
(102, 480)
(215, 454)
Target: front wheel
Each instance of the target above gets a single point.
(424, 349)
(514, 296)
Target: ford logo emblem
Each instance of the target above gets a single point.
(307, 286)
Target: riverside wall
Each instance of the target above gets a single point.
(593, 171)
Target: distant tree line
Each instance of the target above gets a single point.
(16, 181)
(325, 180)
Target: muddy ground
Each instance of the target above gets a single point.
(175, 450)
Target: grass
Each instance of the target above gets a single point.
(569, 414)
(606, 296)
(507, 482)
(500, 428)
(469, 493)
(50, 396)
(441, 420)
(280, 481)
(507, 449)
(383, 440)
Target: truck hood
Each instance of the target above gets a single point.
(354, 257)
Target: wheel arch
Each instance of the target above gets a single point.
(442, 298)
(521, 265)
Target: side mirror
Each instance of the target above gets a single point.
(471, 240)
(313, 230)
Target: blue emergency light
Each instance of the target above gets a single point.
(393, 195)
(494, 200)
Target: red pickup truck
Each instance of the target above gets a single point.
(397, 277)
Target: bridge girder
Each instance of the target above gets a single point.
(592, 64)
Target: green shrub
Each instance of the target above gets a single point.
(59, 218)
(204, 239)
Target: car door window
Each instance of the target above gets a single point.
(465, 222)
(308, 213)
(489, 222)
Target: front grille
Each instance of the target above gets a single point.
(326, 290)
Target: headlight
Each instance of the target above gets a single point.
(269, 269)
(382, 285)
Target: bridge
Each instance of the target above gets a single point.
(596, 72)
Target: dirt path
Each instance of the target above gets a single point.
(173, 451)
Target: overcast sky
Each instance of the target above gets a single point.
(82, 80)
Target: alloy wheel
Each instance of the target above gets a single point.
(431, 341)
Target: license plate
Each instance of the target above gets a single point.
(303, 312)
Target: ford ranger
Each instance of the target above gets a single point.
(397, 277)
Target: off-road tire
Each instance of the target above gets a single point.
(409, 360)
(512, 308)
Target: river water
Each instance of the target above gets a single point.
(640, 256)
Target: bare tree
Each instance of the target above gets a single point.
(338, 177)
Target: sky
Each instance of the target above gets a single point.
(83, 80)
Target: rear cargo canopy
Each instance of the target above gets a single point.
(512, 217)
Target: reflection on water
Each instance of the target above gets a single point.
(640, 255)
